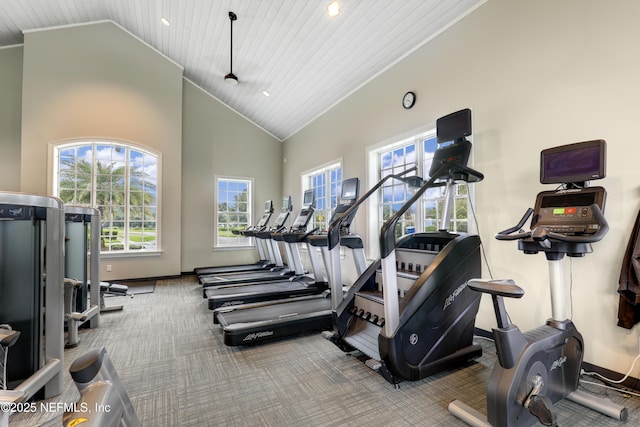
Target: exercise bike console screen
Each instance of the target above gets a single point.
(573, 163)
(569, 211)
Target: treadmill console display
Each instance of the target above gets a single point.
(268, 206)
(568, 211)
(307, 211)
(287, 206)
(263, 220)
(350, 188)
(309, 198)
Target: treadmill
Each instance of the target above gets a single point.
(263, 263)
(300, 284)
(278, 269)
(263, 321)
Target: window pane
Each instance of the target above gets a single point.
(103, 184)
(326, 184)
(233, 211)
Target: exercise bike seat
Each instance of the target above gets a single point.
(500, 287)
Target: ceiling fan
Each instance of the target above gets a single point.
(231, 78)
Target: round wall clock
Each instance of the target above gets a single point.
(408, 100)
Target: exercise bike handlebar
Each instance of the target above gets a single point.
(541, 233)
(510, 233)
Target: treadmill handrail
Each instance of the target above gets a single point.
(334, 228)
(449, 170)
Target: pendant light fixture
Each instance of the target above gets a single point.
(231, 78)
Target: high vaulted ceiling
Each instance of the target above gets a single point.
(305, 59)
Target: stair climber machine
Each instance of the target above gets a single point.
(301, 283)
(81, 259)
(539, 368)
(31, 279)
(264, 263)
(260, 322)
(277, 272)
(410, 312)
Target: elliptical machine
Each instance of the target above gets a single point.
(539, 368)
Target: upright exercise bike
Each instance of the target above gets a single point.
(539, 368)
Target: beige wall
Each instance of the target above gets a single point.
(536, 75)
(218, 141)
(98, 81)
(10, 105)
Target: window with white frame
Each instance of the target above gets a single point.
(326, 182)
(121, 181)
(425, 215)
(233, 211)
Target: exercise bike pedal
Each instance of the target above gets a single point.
(541, 407)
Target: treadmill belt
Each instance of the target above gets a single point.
(276, 312)
(260, 288)
(242, 277)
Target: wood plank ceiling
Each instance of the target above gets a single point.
(306, 60)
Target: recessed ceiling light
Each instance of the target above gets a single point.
(266, 93)
(333, 9)
(165, 21)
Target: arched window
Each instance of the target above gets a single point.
(119, 179)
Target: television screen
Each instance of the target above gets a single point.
(268, 206)
(573, 163)
(454, 126)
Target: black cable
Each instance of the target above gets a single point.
(484, 253)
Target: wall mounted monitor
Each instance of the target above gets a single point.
(573, 163)
(454, 126)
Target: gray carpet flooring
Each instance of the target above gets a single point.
(177, 371)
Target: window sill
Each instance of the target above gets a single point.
(232, 248)
(130, 254)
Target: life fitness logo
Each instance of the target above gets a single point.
(413, 339)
